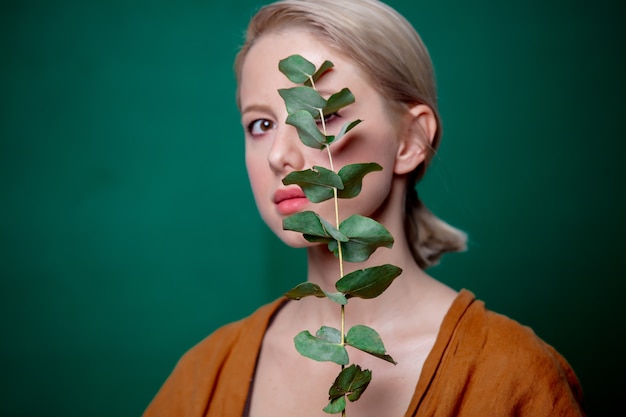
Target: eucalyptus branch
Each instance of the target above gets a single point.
(352, 240)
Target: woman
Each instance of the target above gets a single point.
(454, 357)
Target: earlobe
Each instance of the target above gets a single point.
(418, 131)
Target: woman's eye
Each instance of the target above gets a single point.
(260, 126)
(328, 118)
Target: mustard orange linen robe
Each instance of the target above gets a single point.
(482, 364)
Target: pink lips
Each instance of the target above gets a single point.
(289, 200)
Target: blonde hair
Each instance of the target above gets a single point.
(386, 47)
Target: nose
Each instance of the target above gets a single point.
(285, 154)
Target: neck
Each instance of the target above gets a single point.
(413, 288)
(413, 294)
(324, 268)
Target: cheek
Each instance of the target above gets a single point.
(375, 145)
(255, 177)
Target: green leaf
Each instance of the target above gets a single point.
(345, 129)
(317, 183)
(369, 282)
(352, 178)
(326, 65)
(306, 222)
(368, 340)
(351, 381)
(302, 98)
(307, 129)
(337, 297)
(334, 233)
(313, 227)
(319, 349)
(338, 101)
(336, 406)
(296, 68)
(305, 289)
(365, 236)
(329, 334)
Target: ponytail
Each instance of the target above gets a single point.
(429, 237)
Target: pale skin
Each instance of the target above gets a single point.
(408, 315)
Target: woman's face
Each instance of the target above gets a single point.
(273, 148)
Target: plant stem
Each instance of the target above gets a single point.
(336, 201)
(339, 251)
(335, 197)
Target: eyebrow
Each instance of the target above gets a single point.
(256, 107)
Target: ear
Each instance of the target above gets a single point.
(419, 126)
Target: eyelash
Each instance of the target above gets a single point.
(328, 119)
(252, 124)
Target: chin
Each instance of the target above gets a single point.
(288, 237)
(293, 239)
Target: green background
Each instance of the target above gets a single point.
(128, 230)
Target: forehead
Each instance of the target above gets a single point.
(260, 65)
(278, 44)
